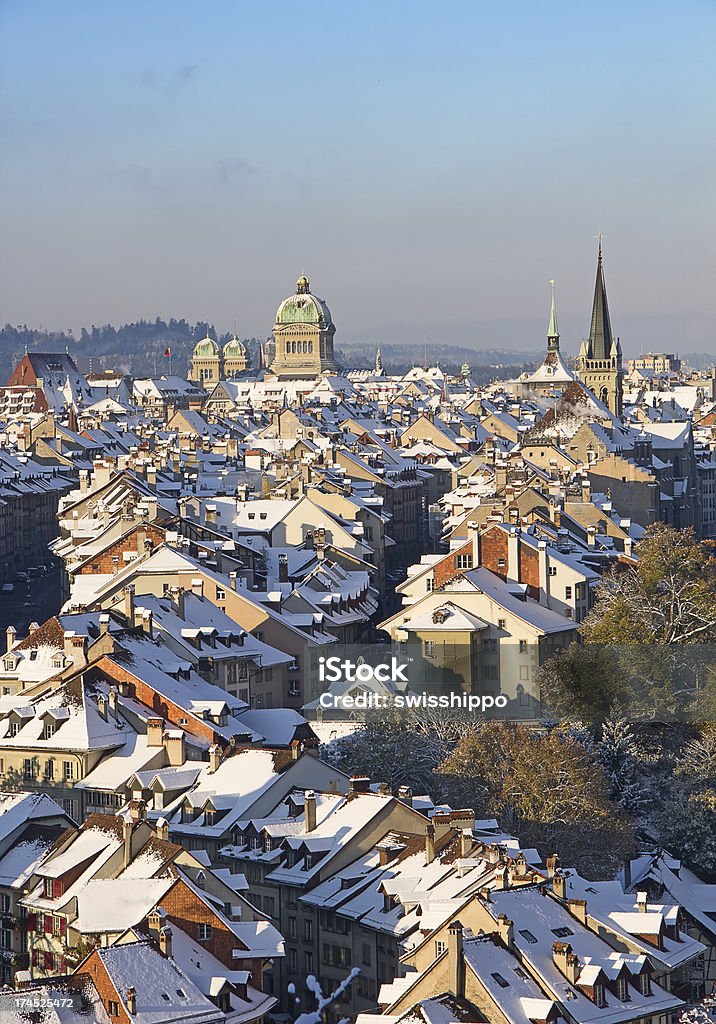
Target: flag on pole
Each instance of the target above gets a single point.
(167, 351)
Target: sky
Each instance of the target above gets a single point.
(429, 166)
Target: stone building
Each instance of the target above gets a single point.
(210, 364)
(599, 364)
(303, 334)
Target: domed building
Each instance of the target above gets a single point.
(205, 362)
(235, 360)
(303, 335)
(210, 364)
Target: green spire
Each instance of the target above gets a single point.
(552, 329)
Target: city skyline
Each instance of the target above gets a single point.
(451, 168)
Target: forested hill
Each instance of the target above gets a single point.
(136, 349)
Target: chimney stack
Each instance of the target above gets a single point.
(566, 962)
(155, 732)
(559, 884)
(309, 808)
(129, 604)
(103, 624)
(197, 587)
(283, 567)
(162, 829)
(131, 1000)
(215, 753)
(506, 931)
(552, 865)
(10, 634)
(429, 843)
(641, 902)
(466, 841)
(165, 942)
(456, 961)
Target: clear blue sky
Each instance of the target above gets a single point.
(430, 166)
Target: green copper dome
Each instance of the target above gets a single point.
(206, 347)
(234, 348)
(303, 308)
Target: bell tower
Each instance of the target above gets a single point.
(599, 364)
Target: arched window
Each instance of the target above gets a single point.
(310, 346)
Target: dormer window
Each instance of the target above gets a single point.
(599, 994)
(645, 984)
(49, 730)
(14, 728)
(622, 990)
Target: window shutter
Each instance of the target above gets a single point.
(32, 922)
(47, 924)
(63, 927)
(34, 957)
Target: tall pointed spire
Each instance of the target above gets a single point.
(552, 329)
(600, 331)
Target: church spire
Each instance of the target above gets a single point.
(552, 329)
(600, 331)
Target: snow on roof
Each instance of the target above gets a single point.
(16, 809)
(115, 904)
(164, 993)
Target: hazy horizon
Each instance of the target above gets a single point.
(430, 169)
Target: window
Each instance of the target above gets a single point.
(220, 594)
(463, 562)
(568, 593)
(204, 932)
(599, 995)
(365, 954)
(308, 961)
(562, 933)
(622, 990)
(553, 570)
(293, 959)
(502, 623)
(28, 768)
(308, 930)
(429, 648)
(528, 936)
(68, 770)
(292, 928)
(113, 1008)
(645, 985)
(49, 731)
(502, 982)
(440, 947)
(523, 647)
(50, 770)
(429, 584)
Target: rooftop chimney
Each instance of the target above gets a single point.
(559, 884)
(309, 808)
(129, 604)
(162, 829)
(456, 961)
(165, 942)
(641, 902)
(155, 732)
(506, 931)
(10, 634)
(566, 962)
(131, 1000)
(429, 843)
(103, 624)
(214, 757)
